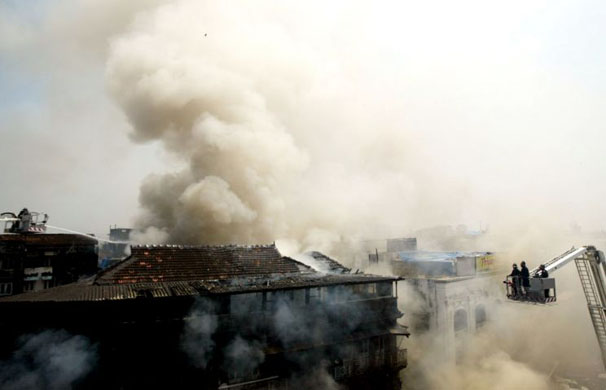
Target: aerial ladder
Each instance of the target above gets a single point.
(591, 267)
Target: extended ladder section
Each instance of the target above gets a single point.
(561, 260)
(593, 279)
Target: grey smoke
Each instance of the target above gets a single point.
(53, 359)
(200, 325)
(243, 356)
(234, 120)
(286, 320)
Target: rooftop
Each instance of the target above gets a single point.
(172, 270)
(47, 239)
(437, 256)
(166, 263)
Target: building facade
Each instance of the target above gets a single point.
(455, 289)
(228, 317)
(453, 309)
(452, 292)
(117, 248)
(36, 261)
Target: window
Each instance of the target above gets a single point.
(364, 346)
(7, 264)
(288, 295)
(245, 303)
(372, 289)
(359, 290)
(366, 290)
(421, 321)
(270, 299)
(480, 316)
(380, 344)
(338, 294)
(363, 357)
(312, 295)
(460, 320)
(384, 289)
(6, 288)
(265, 303)
(299, 297)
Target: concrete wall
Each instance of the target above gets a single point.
(444, 298)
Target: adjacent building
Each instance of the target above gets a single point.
(116, 249)
(36, 261)
(229, 317)
(453, 292)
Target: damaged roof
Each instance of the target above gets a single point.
(329, 264)
(172, 271)
(164, 263)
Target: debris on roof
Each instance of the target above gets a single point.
(329, 264)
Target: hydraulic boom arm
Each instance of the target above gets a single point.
(562, 260)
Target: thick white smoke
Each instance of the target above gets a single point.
(200, 326)
(194, 77)
(319, 122)
(275, 137)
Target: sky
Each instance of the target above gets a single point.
(385, 117)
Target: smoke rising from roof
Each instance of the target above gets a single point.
(383, 118)
(278, 320)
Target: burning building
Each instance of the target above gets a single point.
(229, 317)
(32, 260)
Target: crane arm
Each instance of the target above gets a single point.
(563, 259)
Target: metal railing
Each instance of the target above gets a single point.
(536, 290)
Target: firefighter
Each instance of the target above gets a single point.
(515, 279)
(25, 220)
(542, 273)
(525, 276)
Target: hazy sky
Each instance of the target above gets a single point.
(416, 113)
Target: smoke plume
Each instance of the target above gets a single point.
(324, 131)
(240, 96)
(197, 339)
(279, 321)
(48, 360)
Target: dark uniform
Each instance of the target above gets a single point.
(515, 280)
(525, 276)
(542, 273)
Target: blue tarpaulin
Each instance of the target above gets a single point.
(434, 263)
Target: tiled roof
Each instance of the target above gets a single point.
(87, 291)
(172, 271)
(168, 263)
